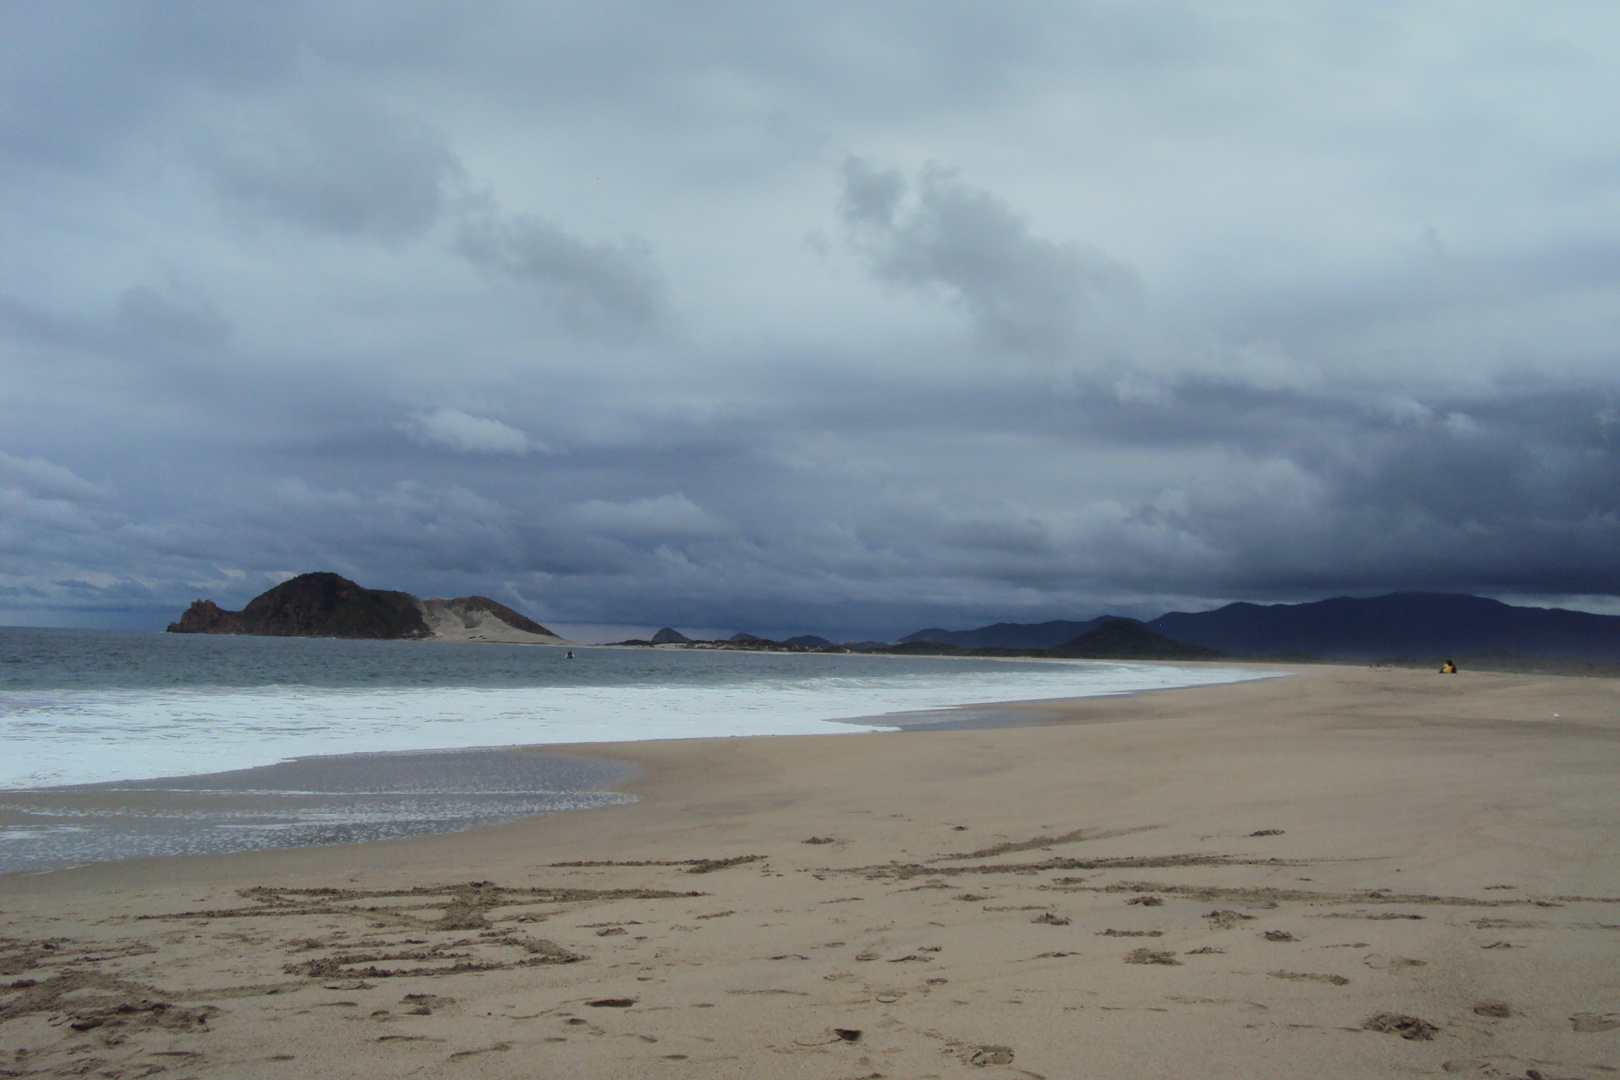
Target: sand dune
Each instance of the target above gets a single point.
(478, 619)
(1349, 872)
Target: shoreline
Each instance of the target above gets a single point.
(154, 728)
(326, 799)
(1272, 878)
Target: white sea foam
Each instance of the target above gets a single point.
(50, 737)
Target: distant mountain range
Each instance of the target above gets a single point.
(1417, 626)
(1414, 625)
(1008, 635)
(1110, 637)
(328, 605)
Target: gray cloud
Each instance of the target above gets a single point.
(37, 478)
(1025, 293)
(613, 290)
(147, 317)
(663, 518)
(469, 434)
(1202, 304)
(347, 168)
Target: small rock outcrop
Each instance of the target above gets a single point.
(206, 617)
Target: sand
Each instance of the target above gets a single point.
(1349, 872)
(465, 625)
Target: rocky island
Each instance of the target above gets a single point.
(329, 605)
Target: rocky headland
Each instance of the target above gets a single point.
(329, 605)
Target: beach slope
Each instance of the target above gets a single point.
(1349, 872)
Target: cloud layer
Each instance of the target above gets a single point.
(795, 319)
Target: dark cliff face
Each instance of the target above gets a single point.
(206, 617)
(313, 605)
(326, 605)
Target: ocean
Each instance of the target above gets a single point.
(117, 743)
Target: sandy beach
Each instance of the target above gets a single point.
(1348, 872)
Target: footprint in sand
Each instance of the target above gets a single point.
(1379, 962)
(1226, 919)
(1407, 1027)
(1310, 976)
(424, 1004)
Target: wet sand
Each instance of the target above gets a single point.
(1348, 872)
(312, 800)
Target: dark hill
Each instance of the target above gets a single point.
(1127, 639)
(1007, 635)
(666, 636)
(1418, 625)
(313, 605)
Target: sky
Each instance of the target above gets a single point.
(835, 318)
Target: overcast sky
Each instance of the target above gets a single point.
(835, 318)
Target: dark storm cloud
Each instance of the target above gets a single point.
(1128, 308)
(1024, 292)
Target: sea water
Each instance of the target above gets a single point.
(89, 718)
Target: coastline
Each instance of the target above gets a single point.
(369, 795)
(186, 714)
(1302, 856)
